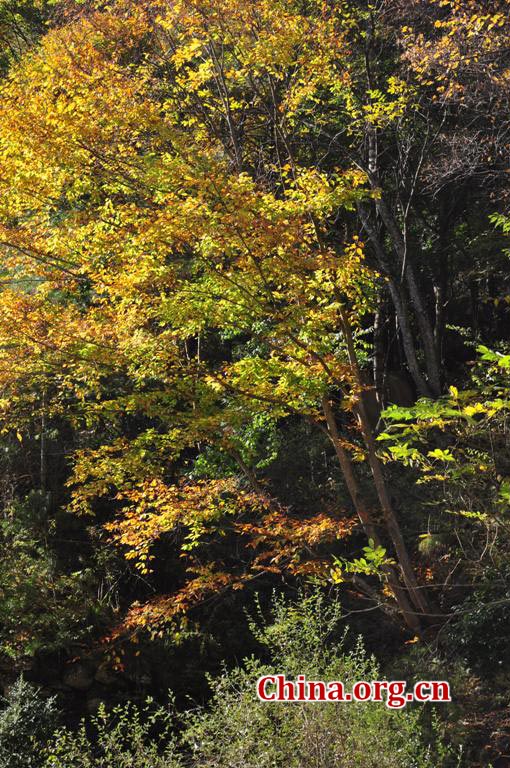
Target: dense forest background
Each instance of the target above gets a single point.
(254, 361)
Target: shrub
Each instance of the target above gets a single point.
(239, 730)
(236, 730)
(125, 737)
(42, 607)
(27, 720)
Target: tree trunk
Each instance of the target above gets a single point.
(43, 459)
(409, 615)
(392, 524)
(379, 365)
(407, 270)
(441, 286)
(427, 334)
(400, 302)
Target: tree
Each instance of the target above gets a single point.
(150, 224)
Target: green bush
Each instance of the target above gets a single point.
(42, 606)
(125, 737)
(237, 730)
(27, 720)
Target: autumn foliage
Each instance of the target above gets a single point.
(213, 217)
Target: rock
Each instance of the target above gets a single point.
(92, 705)
(104, 676)
(78, 677)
